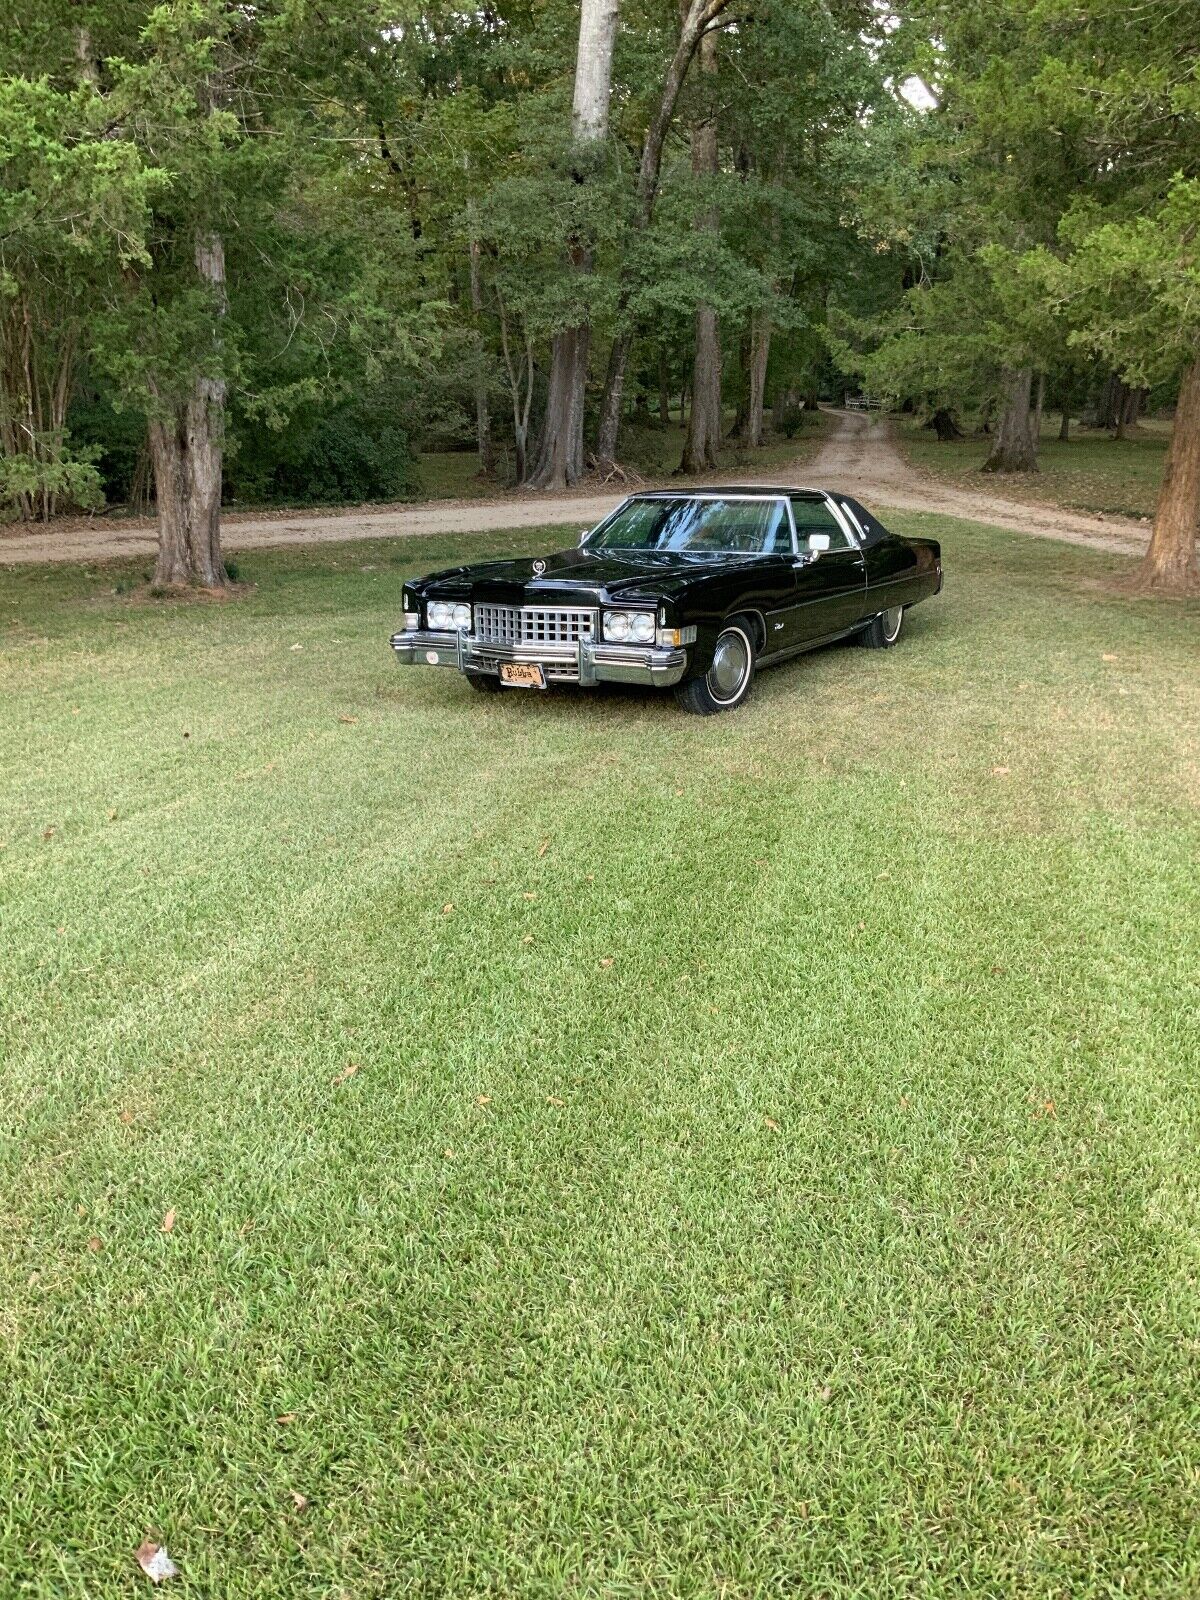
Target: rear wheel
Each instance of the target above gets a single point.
(727, 681)
(882, 631)
(485, 682)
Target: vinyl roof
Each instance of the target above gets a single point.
(765, 491)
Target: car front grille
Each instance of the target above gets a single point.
(533, 624)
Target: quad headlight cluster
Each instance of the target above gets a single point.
(629, 627)
(444, 616)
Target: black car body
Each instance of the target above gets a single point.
(809, 567)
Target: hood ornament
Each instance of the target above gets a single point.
(538, 568)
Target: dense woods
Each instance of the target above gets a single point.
(271, 252)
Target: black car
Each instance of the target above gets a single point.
(692, 591)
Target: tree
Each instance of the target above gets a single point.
(560, 452)
(704, 420)
(698, 17)
(74, 216)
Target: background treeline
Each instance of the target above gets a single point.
(270, 253)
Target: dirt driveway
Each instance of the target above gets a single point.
(859, 459)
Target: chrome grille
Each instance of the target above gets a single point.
(534, 624)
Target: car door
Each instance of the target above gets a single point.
(831, 590)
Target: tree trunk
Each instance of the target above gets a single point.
(1169, 565)
(186, 450)
(943, 424)
(664, 391)
(1130, 410)
(1039, 401)
(741, 413)
(483, 418)
(704, 425)
(1015, 446)
(1064, 427)
(700, 15)
(560, 451)
(1112, 398)
(760, 352)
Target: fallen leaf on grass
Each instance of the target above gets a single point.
(483, 1099)
(769, 1122)
(347, 1071)
(553, 1100)
(285, 1417)
(94, 1244)
(125, 1117)
(112, 815)
(542, 848)
(1108, 656)
(528, 939)
(448, 908)
(825, 1395)
(49, 833)
(449, 1155)
(606, 961)
(297, 647)
(300, 1501)
(529, 894)
(1000, 772)
(347, 720)
(155, 1562)
(168, 1222)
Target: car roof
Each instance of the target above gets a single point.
(762, 491)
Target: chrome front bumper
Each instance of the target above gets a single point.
(585, 663)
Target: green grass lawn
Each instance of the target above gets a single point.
(1090, 472)
(610, 1153)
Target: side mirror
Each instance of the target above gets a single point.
(583, 533)
(818, 543)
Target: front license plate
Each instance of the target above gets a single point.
(524, 674)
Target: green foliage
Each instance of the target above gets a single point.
(51, 469)
(353, 452)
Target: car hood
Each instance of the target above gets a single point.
(597, 575)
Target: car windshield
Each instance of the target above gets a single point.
(698, 526)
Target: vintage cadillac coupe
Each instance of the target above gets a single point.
(694, 591)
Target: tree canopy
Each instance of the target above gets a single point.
(269, 251)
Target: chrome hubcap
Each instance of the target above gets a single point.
(891, 621)
(731, 662)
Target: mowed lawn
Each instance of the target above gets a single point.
(608, 1152)
(1091, 471)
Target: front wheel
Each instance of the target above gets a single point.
(485, 682)
(727, 681)
(882, 631)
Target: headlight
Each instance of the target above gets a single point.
(444, 616)
(622, 625)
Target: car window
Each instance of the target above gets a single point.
(814, 516)
(697, 526)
